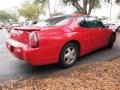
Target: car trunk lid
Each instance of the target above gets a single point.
(21, 34)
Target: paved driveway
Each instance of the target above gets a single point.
(12, 68)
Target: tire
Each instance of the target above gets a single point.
(111, 41)
(118, 29)
(68, 55)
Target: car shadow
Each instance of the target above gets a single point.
(29, 70)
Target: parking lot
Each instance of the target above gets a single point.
(12, 68)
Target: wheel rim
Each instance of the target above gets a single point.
(70, 55)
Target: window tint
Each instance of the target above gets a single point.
(93, 23)
(89, 22)
(81, 21)
(54, 20)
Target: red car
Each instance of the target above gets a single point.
(62, 42)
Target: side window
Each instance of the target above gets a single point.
(89, 22)
(101, 24)
(93, 23)
(81, 21)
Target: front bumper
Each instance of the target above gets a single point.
(34, 56)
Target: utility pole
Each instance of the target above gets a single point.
(111, 9)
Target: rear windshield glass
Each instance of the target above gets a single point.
(55, 21)
(63, 22)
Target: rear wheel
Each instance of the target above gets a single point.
(111, 41)
(69, 55)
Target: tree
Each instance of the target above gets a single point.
(13, 17)
(103, 18)
(6, 16)
(117, 1)
(46, 3)
(111, 5)
(30, 11)
(43, 3)
(83, 6)
(57, 13)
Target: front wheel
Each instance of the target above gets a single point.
(111, 41)
(69, 55)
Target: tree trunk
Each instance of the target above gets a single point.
(81, 9)
(55, 6)
(85, 2)
(49, 8)
(78, 6)
(91, 4)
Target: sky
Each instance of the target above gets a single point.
(104, 11)
(10, 4)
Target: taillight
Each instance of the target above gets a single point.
(33, 40)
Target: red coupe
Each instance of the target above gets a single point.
(62, 42)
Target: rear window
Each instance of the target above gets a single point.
(54, 21)
(63, 22)
(57, 19)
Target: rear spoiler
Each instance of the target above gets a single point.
(27, 28)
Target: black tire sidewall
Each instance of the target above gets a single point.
(111, 41)
(118, 29)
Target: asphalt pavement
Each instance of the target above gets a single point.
(12, 68)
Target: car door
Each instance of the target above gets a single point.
(84, 36)
(105, 33)
(98, 32)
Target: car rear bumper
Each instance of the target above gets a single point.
(34, 56)
(16, 48)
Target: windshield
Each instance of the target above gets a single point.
(55, 21)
